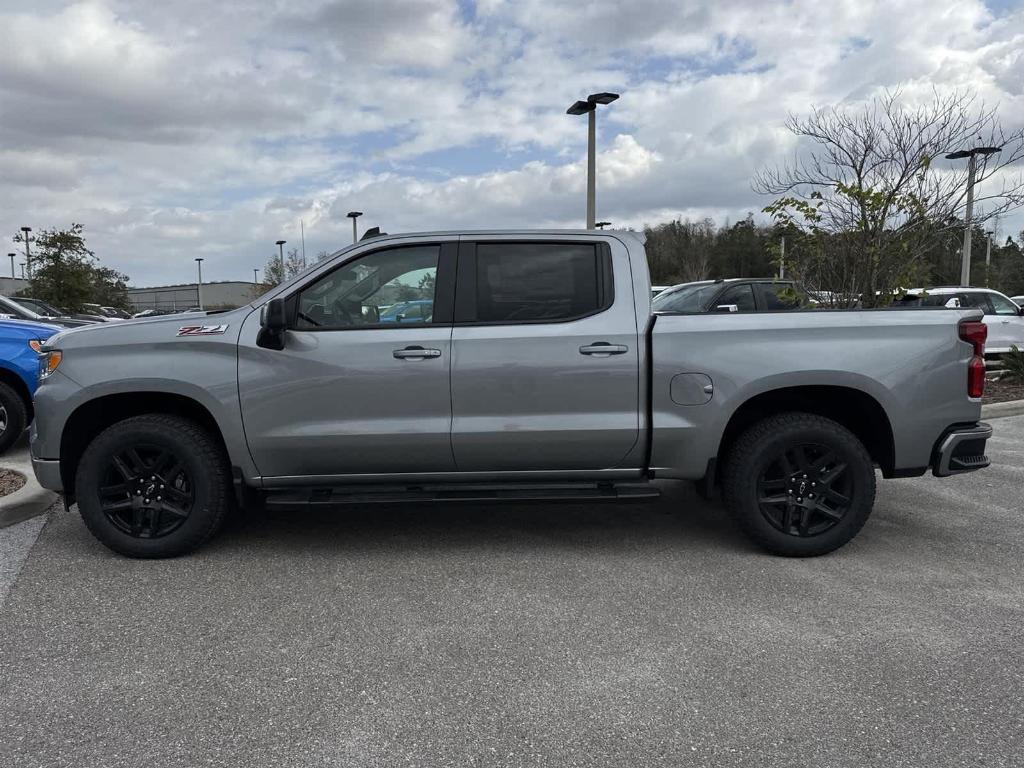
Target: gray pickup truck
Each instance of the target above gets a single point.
(494, 366)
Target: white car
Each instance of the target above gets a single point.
(1018, 300)
(1004, 317)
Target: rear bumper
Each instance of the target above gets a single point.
(961, 449)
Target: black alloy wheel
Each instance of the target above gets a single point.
(799, 484)
(146, 491)
(805, 490)
(155, 485)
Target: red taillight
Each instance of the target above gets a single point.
(976, 377)
(974, 332)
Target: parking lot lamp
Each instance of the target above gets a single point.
(28, 256)
(589, 108)
(970, 154)
(12, 255)
(354, 215)
(602, 224)
(280, 253)
(199, 282)
(255, 279)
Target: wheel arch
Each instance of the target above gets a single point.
(853, 408)
(17, 383)
(93, 416)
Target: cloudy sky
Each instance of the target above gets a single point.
(187, 128)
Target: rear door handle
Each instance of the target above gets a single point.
(415, 353)
(603, 349)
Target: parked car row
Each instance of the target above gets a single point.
(1002, 314)
(25, 323)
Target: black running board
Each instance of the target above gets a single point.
(390, 494)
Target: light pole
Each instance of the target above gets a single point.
(12, 255)
(970, 154)
(988, 256)
(255, 279)
(602, 224)
(280, 252)
(199, 284)
(589, 107)
(28, 256)
(354, 215)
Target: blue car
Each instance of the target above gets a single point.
(415, 311)
(19, 374)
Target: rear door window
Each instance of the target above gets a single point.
(534, 282)
(976, 300)
(777, 296)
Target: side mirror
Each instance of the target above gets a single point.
(727, 308)
(272, 325)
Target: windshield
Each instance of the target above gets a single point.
(37, 306)
(689, 298)
(7, 306)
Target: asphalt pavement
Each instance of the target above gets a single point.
(531, 635)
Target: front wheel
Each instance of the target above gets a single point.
(13, 416)
(153, 486)
(799, 484)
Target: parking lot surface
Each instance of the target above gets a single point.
(541, 635)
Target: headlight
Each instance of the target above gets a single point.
(48, 362)
(36, 345)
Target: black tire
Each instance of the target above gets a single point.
(13, 416)
(138, 461)
(792, 510)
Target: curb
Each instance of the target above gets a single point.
(1001, 410)
(29, 500)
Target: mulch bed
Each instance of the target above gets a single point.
(10, 481)
(1001, 390)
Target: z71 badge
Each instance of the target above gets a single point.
(202, 330)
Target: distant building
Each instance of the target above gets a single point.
(219, 295)
(11, 285)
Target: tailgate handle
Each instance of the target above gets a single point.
(603, 349)
(415, 353)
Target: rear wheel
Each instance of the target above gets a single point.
(153, 486)
(799, 484)
(13, 416)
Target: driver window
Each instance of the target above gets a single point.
(388, 287)
(1003, 306)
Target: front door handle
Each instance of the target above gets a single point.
(603, 349)
(415, 353)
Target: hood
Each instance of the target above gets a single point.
(28, 329)
(163, 328)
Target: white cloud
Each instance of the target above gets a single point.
(185, 127)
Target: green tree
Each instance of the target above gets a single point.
(64, 272)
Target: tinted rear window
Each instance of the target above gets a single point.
(529, 282)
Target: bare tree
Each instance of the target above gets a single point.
(868, 196)
(277, 271)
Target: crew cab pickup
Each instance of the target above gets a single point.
(535, 370)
